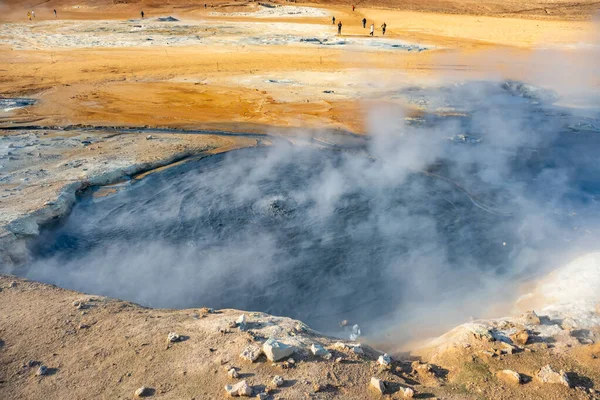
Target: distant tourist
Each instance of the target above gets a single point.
(333, 21)
(205, 5)
(372, 29)
(353, 7)
(29, 15)
(383, 28)
(340, 28)
(55, 13)
(364, 22)
(33, 13)
(142, 14)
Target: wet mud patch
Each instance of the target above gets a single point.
(11, 104)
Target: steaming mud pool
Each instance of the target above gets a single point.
(324, 236)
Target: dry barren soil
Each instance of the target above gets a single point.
(99, 73)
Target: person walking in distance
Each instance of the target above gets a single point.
(372, 29)
(333, 21)
(29, 15)
(364, 21)
(340, 28)
(353, 7)
(54, 13)
(142, 14)
(33, 13)
(383, 28)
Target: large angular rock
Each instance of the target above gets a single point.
(239, 389)
(547, 375)
(275, 350)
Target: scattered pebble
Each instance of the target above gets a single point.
(143, 392)
(407, 392)
(385, 361)
(277, 381)
(233, 373)
(42, 370)
(174, 337)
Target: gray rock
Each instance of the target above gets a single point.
(320, 351)
(42, 370)
(407, 392)
(277, 381)
(239, 389)
(481, 332)
(251, 353)
(357, 349)
(385, 361)
(173, 337)
(262, 396)
(378, 385)
(547, 375)
(275, 350)
(241, 322)
(233, 373)
(143, 392)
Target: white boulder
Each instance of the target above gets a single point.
(275, 350)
